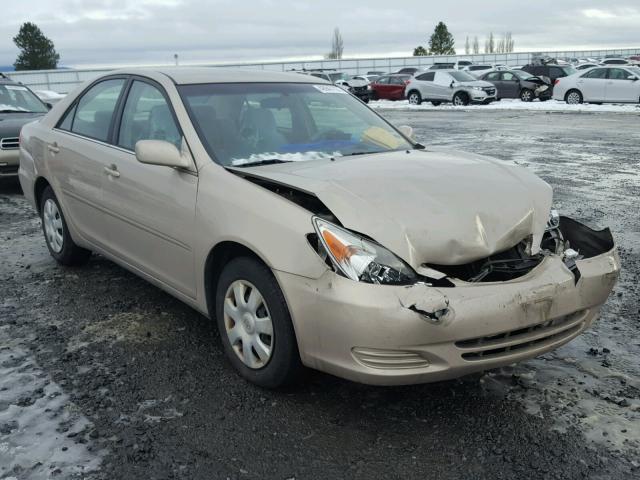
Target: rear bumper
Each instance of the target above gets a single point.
(9, 162)
(384, 335)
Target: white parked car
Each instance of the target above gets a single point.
(453, 86)
(601, 84)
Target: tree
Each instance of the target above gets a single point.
(36, 51)
(476, 45)
(467, 46)
(337, 45)
(420, 51)
(441, 42)
(490, 44)
(509, 43)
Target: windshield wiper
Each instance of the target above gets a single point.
(269, 161)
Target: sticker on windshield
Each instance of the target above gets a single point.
(329, 89)
(15, 87)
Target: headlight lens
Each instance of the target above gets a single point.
(360, 259)
(477, 88)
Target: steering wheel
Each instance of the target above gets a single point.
(331, 134)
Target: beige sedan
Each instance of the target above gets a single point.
(313, 231)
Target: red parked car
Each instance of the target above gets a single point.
(389, 87)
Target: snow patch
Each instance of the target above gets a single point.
(513, 104)
(42, 433)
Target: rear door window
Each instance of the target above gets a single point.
(596, 73)
(94, 112)
(493, 76)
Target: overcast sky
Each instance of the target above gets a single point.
(95, 32)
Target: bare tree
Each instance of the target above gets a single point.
(490, 44)
(509, 43)
(467, 46)
(476, 45)
(500, 46)
(337, 45)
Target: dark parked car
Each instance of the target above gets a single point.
(518, 84)
(389, 87)
(18, 105)
(550, 71)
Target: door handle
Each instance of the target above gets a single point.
(112, 171)
(53, 147)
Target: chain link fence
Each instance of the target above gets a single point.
(65, 80)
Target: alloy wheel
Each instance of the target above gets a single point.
(53, 225)
(414, 99)
(248, 324)
(573, 98)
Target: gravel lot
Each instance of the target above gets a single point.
(103, 376)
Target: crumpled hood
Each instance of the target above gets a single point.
(439, 207)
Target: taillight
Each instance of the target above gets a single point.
(556, 81)
(407, 82)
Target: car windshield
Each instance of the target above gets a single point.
(254, 123)
(462, 77)
(18, 98)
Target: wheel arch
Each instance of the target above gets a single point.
(219, 256)
(573, 89)
(39, 187)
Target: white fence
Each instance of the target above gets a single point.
(65, 80)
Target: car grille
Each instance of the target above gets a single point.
(9, 143)
(389, 359)
(490, 90)
(519, 341)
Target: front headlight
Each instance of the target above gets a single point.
(477, 88)
(360, 259)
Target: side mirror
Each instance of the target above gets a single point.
(407, 131)
(452, 83)
(162, 153)
(49, 105)
(632, 78)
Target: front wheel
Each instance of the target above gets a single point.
(573, 97)
(255, 325)
(56, 233)
(414, 98)
(526, 95)
(460, 99)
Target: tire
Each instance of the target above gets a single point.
(266, 328)
(527, 95)
(435, 103)
(460, 99)
(414, 97)
(573, 97)
(56, 233)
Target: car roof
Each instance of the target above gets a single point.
(195, 75)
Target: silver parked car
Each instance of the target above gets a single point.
(599, 85)
(310, 229)
(453, 86)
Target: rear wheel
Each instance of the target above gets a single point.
(255, 325)
(414, 97)
(435, 103)
(56, 233)
(526, 95)
(573, 97)
(460, 99)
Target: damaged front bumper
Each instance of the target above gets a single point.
(389, 335)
